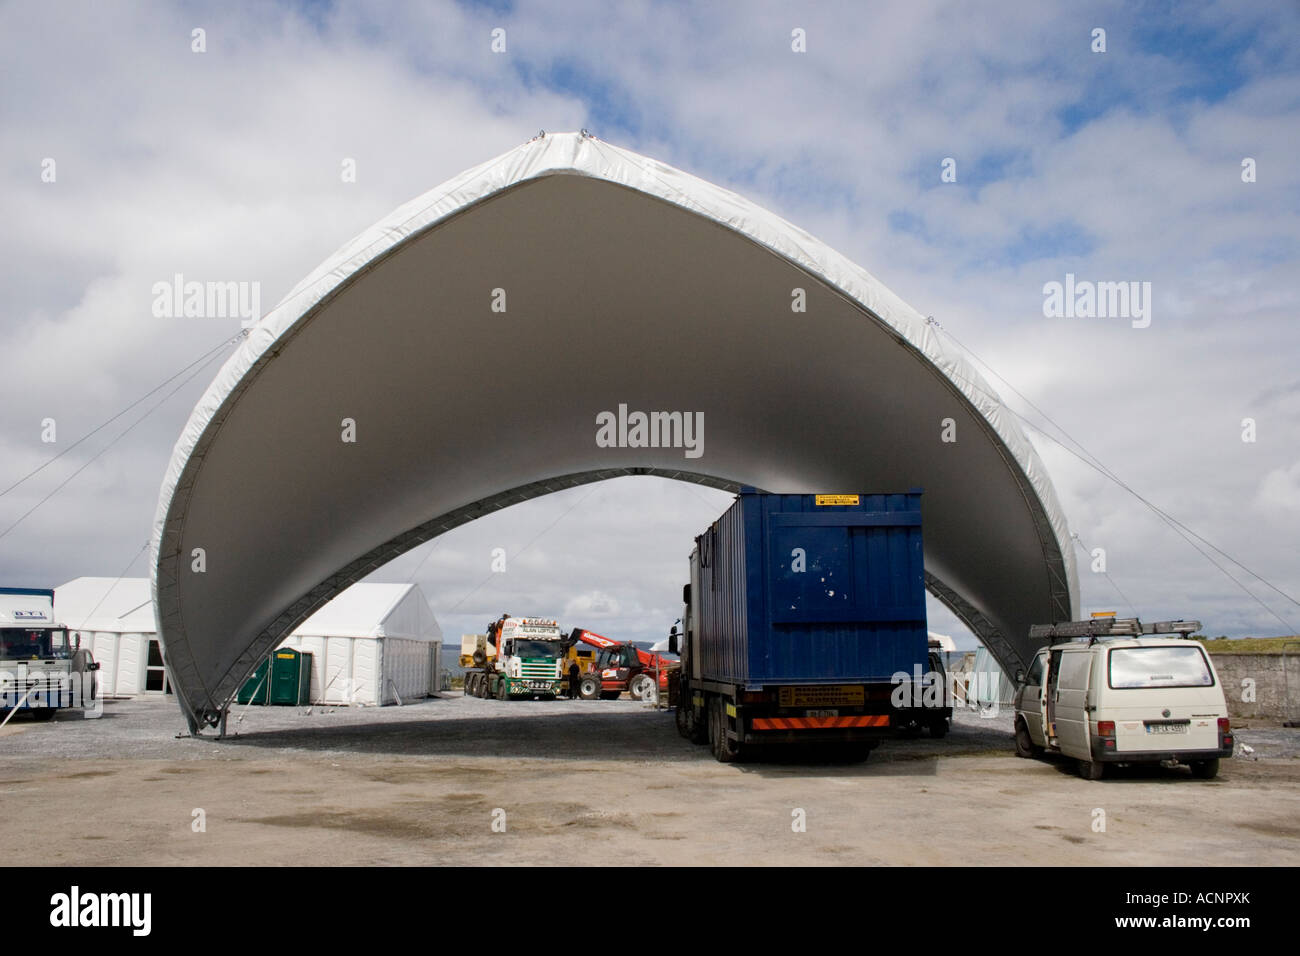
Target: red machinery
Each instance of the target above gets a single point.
(620, 667)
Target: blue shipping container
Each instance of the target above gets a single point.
(787, 590)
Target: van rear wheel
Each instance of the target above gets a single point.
(1205, 769)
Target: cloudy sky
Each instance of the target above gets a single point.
(128, 156)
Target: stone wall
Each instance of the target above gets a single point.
(1270, 679)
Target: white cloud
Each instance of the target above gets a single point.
(1280, 488)
(592, 605)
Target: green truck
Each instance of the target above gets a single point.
(519, 657)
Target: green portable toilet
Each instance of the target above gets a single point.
(290, 677)
(256, 689)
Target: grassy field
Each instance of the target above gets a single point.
(1249, 645)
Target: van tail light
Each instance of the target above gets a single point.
(1106, 732)
(1225, 733)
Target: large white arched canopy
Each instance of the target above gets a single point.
(624, 282)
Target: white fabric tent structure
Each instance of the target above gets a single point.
(990, 687)
(373, 644)
(114, 620)
(561, 281)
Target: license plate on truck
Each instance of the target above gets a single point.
(828, 695)
(1166, 728)
(822, 713)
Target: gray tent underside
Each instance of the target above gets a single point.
(1004, 651)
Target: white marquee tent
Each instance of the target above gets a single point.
(635, 285)
(373, 644)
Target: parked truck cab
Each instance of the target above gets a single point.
(519, 657)
(1119, 696)
(41, 669)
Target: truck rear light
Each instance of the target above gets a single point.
(752, 697)
(1105, 728)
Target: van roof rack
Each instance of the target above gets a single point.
(1111, 627)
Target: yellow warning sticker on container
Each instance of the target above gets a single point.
(837, 500)
(285, 657)
(832, 695)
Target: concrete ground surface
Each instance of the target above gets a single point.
(603, 782)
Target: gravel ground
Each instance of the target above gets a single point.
(603, 782)
(453, 725)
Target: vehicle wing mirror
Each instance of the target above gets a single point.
(672, 643)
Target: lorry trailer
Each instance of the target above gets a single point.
(802, 613)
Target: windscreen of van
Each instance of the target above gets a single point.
(1159, 667)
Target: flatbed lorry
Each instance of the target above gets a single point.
(802, 613)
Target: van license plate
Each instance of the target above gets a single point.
(1166, 728)
(822, 713)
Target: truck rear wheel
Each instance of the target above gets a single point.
(684, 719)
(1205, 769)
(724, 749)
(589, 687)
(47, 713)
(939, 728)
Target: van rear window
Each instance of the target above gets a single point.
(1159, 667)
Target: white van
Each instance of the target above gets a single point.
(1115, 695)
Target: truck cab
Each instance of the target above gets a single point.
(1122, 693)
(41, 669)
(530, 658)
